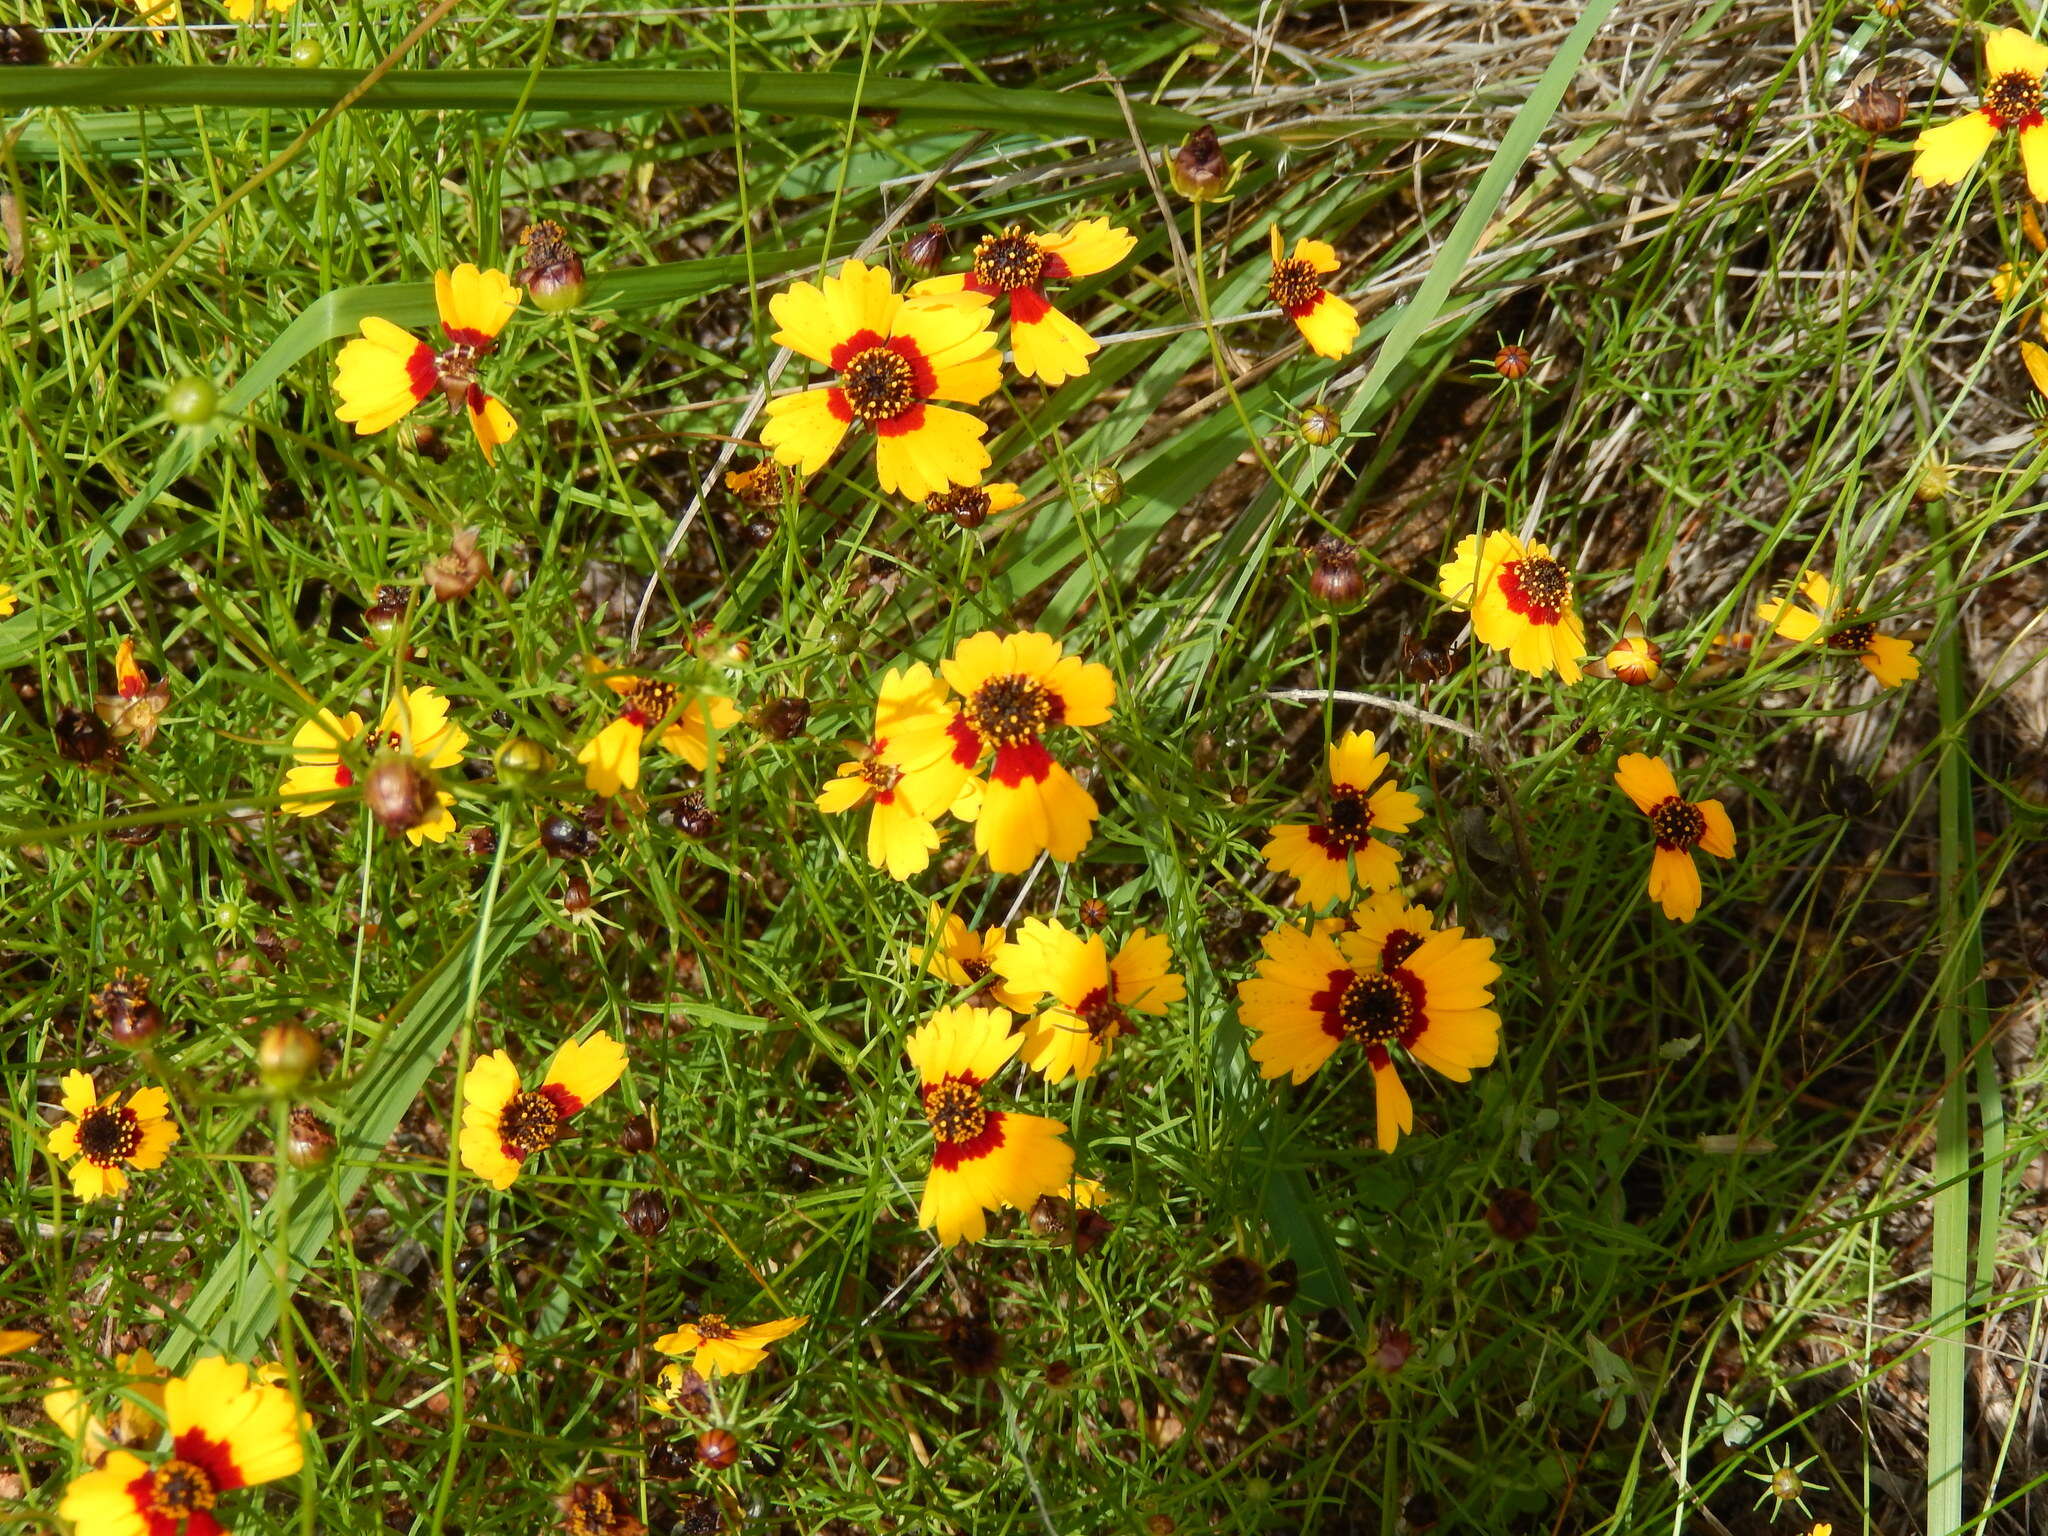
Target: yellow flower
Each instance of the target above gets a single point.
(1679, 826)
(416, 726)
(244, 11)
(317, 769)
(1322, 857)
(1093, 997)
(611, 758)
(159, 15)
(502, 1127)
(1393, 926)
(1017, 265)
(137, 1409)
(894, 359)
(982, 1159)
(901, 837)
(103, 1135)
(386, 371)
(1314, 991)
(2015, 64)
(227, 1432)
(1521, 602)
(1013, 688)
(8, 602)
(134, 705)
(959, 956)
(1326, 322)
(1889, 658)
(717, 1348)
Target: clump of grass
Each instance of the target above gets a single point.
(1704, 1217)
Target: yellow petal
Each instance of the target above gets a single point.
(803, 430)
(1943, 156)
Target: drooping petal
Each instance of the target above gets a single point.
(943, 449)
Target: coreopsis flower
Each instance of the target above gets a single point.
(159, 15)
(8, 601)
(895, 359)
(1679, 826)
(1013, 689)
(318, 769)
(983, 1159)
(386, 371)
(227, 1432)
(417, 732)
(133, 1418)
(1326, 322)
(611, 758)
(103, 1138)
(244, 11)
(502, 1126)
(1324, 857)
(1521, 602)
(1092, 996)
(678, 1393)
(901, 837)
(597, 1509)
(972, 505)
(960, 957)
(132, 708)
(1888, 658)
(717, 1348)
(2015, 65)
(763, 484)
(1315, 991)
(1017, 266)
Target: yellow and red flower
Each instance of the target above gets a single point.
(1323, 857)
(1315, 991)
(386, 371)
(717, 1348)
(1093, 996)
(502, 1126)
(1889, 658)
(318, 770)
(104, 1137)
(1017, 266)
(1679, 826)
(227, 1432)
(244, 11)
(415, 726)
(1521, 602)
(1394, 926)
(983, 1159)
(1326, 322)
(611, 758)
(134, 705)
(895, 358)
(901, 837)
(1013, 689)
(2016, 65)
(972, 505)
(960, 957)
(137, 1407)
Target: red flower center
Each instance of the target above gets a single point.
(1855, 639)
(1295, 287)
(1012, 710)
(955, 1111)
(530, 1123)
(178, 1490)
(1348, 827)
(649, 700)
(1105, 1021)
(1678, 824)
(712, 1325)
(1398, 946)
(107, 1135)
(1010, 260)
(2014, 100)
(1377, 1010)
(1539, 589)
(879, 383)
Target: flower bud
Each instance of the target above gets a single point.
(386, 608)
(1105, 485)
(508, 1359)
(1874, 108)
(520, 761)
(1236, 1284)
(1335, 582)
(566, 838)
(718, 1448)
(782, 717)
(307, 1142)
(1635, 660)
(927, 250)
(21, 43)
(1199, 170)
(637, 1134)
(1512, 362)
(1514, 1215)
(553, 274)
(123, 1005)
(399, 792)
(841, 638)
(454, 575)
(309, 53)
(1094, 912)
(690, 815)
(1318, 425)
(576, 896)
(1936, 478)
(286, 1056)
(647, 1214)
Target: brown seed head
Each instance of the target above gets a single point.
(647, 1214)
(307, 1141)
(718, 1448)
(1514, 1215)
(455, 574)
(22, 44)
(123, 1005)
(553, 273)
(1199, 169)
(400, 792)
(782, 717)
(1874, 108)
(1236, 1284)
(637, 1134)
(926, 251)
(564, 837)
